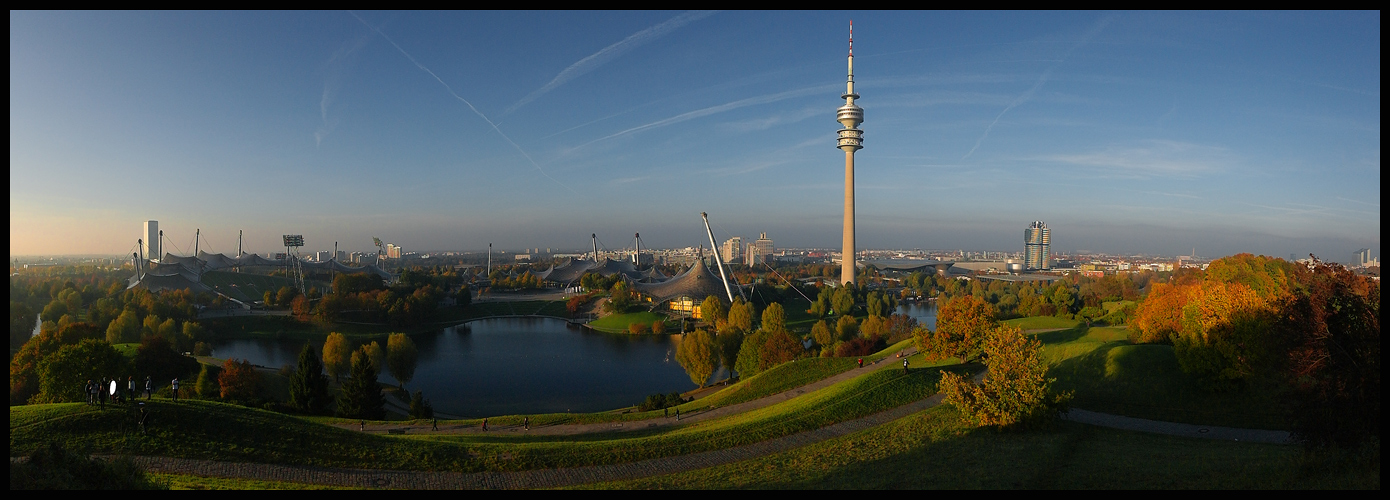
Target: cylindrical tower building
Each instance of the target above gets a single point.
(1037, 243)
(851, 139)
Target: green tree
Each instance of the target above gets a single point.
(730, 342)
(820, 332)
(420, 407)
(774, 318)
(843, 301)
(750, 355)
(309, 386)
(401, 357)
(698, 355)
(712, 311)
(362, 397)
(741, 315)
(63, 374)
(337, 355)
(157, 358)
(206, 384)
(847, 328)
(126, 328)
(1016, 390)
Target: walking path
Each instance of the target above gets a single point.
(555, 478)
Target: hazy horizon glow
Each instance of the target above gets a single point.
(1132, 132)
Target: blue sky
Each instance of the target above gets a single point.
(1128, 132)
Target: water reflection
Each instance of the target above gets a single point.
(518, 365)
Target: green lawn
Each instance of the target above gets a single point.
(1109, 374)
(1041, 322)
(618, 323)
(932, 450)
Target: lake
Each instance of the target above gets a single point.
(508, 366)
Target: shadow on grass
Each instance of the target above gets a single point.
(1063, 336)
(1145, 381)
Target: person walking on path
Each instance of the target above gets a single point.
(904, 366)
(176, 389)
(861, 362)
(485, 425)
(130, 387)
(436, 423)
(149, 387)
(678, 413)
(526, 424)
(362, 424)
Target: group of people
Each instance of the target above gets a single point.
(100, 392)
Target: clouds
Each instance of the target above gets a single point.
(1149, 159)
(609, 53)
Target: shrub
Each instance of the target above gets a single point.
(658, 327)
(1015, 392)
(54, 468)
(636, 328)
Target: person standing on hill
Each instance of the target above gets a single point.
(175, 386)
(149, 387)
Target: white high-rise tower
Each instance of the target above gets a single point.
(851, 140)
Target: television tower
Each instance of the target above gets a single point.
(851, 140)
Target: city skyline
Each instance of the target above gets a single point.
(1127, 132)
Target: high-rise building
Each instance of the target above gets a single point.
(732, 250)
(760, 252)
(152, 240)
(1037, 244)
(851, 139)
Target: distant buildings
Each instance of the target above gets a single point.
(760, 252)
(1037, 243)
(152, 240)
(732, 250)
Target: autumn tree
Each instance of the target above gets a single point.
(1015, 391)
(779, 348)
(774, 318)
(401, 357)
(820, 332)
(1332, 323)
(1219, 339)
(375, 354)
(741, 315)
(729, 341)
(698, 355)
(362, 397)
(712, 311)
(238, 381)
(843, 300)
(658, 327)
(308, 385)
(337, 355)
(750, 353)
(961, 325)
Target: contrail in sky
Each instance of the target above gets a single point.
(465, 101)
(609, 53)
(690, 115)
(1041, 80)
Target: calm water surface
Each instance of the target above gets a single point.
(529, 365)
(518, 365)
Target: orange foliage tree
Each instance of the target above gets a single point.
(961, 325)
(238, 380)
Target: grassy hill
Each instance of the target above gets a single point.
(930, 449)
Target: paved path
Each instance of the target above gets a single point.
(554, 478)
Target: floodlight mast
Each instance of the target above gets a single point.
(715, 250)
